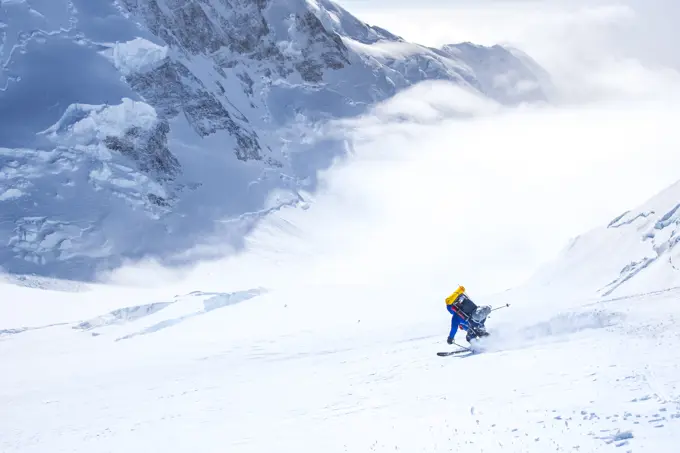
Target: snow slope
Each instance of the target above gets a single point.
(634, 253)
(254, 371)
(135, 128)
(312, 364)
(271, 354)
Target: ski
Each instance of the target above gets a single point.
(448, 353)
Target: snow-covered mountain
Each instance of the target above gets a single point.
(635, 253)
(140, 127)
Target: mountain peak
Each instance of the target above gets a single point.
(141, 128)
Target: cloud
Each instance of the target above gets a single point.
(482, 201)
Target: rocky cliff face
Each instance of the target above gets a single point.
(133, 128)
(230, 39)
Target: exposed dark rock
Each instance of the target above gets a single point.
(320, 42)
(247, 82)
(149, 148)
(171, 88)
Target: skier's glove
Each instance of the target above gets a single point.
(449, 340)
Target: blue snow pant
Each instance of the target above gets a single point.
(457, 321)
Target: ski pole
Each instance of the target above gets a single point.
(498, 308)
(463, 347)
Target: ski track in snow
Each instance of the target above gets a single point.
(587, 379)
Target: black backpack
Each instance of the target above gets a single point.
(464, 307)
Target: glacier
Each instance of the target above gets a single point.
(167, 129)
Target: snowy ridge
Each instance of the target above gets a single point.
(635, 253)
(168, 121)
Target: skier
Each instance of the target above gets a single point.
(466, 316)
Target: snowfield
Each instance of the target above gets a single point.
(254, 371)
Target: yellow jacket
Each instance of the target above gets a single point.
(452, 298)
